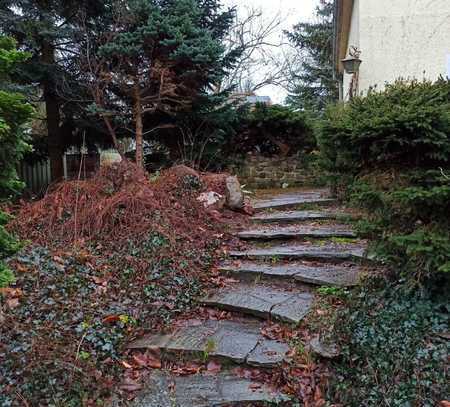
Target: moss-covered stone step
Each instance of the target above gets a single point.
(297, 231)
(163, 389)
(317, 274)
(266, 301)
(327, 251)
(293, 199)
(233, 341)
(295, 216)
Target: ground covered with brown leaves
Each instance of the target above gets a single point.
(107, 258)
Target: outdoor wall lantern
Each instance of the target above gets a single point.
(351, 66)
(352, 62)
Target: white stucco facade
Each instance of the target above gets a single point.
(399, 39)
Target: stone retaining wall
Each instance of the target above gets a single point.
(274, 172)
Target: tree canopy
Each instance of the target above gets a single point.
(313, 85)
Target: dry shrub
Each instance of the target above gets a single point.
(119, 203)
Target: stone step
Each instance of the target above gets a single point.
(264, 301)
(232, 341)
(163, 389)
(322, 274)
(294, 216)
(297, 231)
(328, 251)
(293, 199)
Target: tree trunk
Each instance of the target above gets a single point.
(54, 141)
(139, 126)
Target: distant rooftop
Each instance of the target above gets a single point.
(259, 99)
(251, 99)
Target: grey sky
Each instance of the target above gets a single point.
(292, 11)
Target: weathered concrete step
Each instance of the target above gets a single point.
(293, 199)
(323, 274)
(329, 251)
(234, 341)
(204, 390)
(298, 231)
(294, 216)
(263, 301)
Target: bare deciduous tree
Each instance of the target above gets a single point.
(263, 60)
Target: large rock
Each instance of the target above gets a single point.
(234, 194)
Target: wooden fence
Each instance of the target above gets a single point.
(37, 176)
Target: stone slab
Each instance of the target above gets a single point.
(263, 301)
(229, 340)
(332, 252)
(294, 216)
(202, 390)
(294, 309)
(323, 349)
(268, 353)
(298, 231)
(324, 274)
(290, 201)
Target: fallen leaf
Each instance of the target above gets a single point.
(12, 303)
(130, 385)
(213, 367)
(153, 362)
(140, 359)
(111, 318)
(11, 292)
(254, 386)
(126, 365)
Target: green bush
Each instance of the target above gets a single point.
(408, 124)
(271, 130)
(14, 115)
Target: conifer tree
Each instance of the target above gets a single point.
(158, 56)
(312, 80)
(15, 112)
(48, 30)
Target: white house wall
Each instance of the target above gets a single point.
(400, 38)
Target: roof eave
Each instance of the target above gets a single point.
(343, 10)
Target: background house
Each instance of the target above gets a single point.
(401, 38)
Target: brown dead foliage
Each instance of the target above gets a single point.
(119, 202)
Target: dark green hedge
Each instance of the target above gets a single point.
(408, 124)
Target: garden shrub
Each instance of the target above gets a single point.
(274, 130)
(389, 153)
(14, 115)
(408, 124)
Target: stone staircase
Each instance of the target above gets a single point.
(291, 251)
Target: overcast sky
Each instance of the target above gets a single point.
(292, 11)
